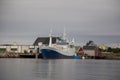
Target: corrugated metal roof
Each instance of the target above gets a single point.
(45, 40)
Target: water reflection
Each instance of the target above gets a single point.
(61, 69)
(77, 70)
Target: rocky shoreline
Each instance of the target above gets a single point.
(9, 55)
(19, 55)
(13, 55)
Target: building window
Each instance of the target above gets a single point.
(31, 51)
(13, 49)
(25, 51)
(2, 50)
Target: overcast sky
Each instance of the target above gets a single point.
(20, 19)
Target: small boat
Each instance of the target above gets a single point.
(60, 50)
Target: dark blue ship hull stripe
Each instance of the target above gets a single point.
(51, 54)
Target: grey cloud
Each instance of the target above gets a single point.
(36, 17)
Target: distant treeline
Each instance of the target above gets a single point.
(112, 50)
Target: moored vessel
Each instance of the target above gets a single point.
(62, 49)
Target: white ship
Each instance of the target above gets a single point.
(60, 50)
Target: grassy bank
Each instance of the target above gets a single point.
(108, 55)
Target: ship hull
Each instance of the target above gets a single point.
(52, 54)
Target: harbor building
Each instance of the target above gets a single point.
(18, 48)
(91, 50)
(103, 47)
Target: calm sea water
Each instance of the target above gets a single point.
(62, 69)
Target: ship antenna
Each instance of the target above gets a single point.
(73, 41)
(50, 40)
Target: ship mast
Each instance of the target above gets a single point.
(64, 34)
(50, 40)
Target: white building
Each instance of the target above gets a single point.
(18, 48)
